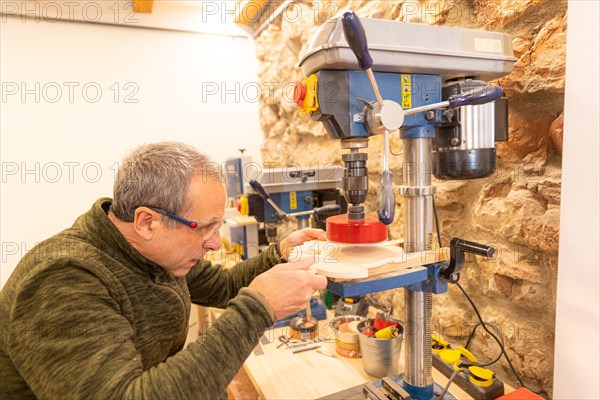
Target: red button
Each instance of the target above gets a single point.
(299, 93)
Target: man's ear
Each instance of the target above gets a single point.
(144, 223)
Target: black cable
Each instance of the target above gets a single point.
(498, 332)
(437, 222)
(471, 336)
(499, 335)
(491, 334)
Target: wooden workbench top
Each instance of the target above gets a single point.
(278, 373)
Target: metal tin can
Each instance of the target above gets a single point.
(302, 329)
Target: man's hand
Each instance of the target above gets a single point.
(288, 287)
(297, 238)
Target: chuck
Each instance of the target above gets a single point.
(355, 183)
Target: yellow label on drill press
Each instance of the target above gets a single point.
(238, 248)
(293, 201)
(406, 91)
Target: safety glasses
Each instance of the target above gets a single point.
(207, 231)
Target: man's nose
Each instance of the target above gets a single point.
(213, 242)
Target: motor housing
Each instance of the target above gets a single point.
(464, 144)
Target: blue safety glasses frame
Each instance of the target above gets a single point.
(212, 227)
(191, 224)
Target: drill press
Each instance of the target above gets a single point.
(294, 194)
(433, 80)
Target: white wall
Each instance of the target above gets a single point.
(576, 359)
(71, 144)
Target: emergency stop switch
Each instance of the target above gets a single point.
(305, 95)
(299, 93)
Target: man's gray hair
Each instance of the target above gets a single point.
(159, 175)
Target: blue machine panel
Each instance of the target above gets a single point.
(360, 87)
(233, 172)
(290, 202)
(409, 90)
(239, 241)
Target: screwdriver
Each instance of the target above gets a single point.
(305, 349)
(386, 201)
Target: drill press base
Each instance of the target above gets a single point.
(358, 392)
(343, 230)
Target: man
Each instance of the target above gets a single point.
(101, 309)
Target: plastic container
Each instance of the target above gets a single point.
(303, 329)
(346, 335)
(380, 356)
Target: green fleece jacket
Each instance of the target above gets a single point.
(85, 316)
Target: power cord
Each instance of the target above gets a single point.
(499, 336)
(491, 334)
(437, 222)
(475, 329)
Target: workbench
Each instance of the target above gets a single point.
(278, 373)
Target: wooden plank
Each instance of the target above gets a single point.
(414, 260)
(344, 262)
(143, 6)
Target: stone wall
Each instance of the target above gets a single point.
(516, 209)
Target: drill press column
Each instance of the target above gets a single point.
(417, 361)
(416, 191)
